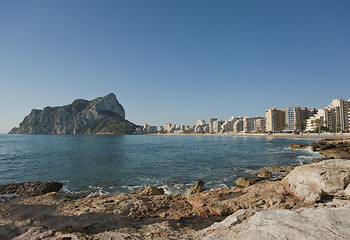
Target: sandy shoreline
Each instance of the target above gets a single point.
(273, 135)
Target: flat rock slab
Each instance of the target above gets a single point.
(311, 223)
(30, 189)
(311, 182)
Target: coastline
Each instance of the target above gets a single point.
(272, 135)
(149, 214)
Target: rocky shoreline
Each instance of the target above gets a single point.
(307, 201)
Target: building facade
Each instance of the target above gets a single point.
(335, 117)
(275, 120)
(260, 125)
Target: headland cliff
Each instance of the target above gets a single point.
(103, 115)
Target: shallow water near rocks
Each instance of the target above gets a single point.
(114, 164)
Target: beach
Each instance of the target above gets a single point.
(276, 135)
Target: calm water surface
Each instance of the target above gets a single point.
(112, 164)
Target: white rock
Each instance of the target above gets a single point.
(310, 182)
(322, 223)
(232, 220)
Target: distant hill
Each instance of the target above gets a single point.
(103, 115)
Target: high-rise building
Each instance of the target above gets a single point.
(335, 117)
(168, 127)
(248, 124)
(201, 127)
(161, 129)
(260, 125)
(237, 126)
(211, 122)
(275, 120)
(338, 115)
(316, 120)
(216, 126)
(227, 126)
(293, 118)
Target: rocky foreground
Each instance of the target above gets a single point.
(310, 202)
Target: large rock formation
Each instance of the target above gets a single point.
(326, 178)
(104, 115)
(310, 223)
(335, 148)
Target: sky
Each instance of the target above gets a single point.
(173, 61)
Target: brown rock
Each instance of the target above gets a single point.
(196, 188)
(151, 191)
(133, 215)
(35, 233)
(265, 174)
(295, 146)
(337, 153)
(317, 160)
(278, 171)
(246, 182)
(30, 189)
(333, 148)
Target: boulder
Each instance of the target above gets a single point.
(275, 170)
(295, 146)
(265, 174)
(30, 189)
(311, 223)
(343, 153)
(196, 188)
(311, 182)
(333, 148)
(317, 160)
(246, 182)
(326, 146)
(151, 191)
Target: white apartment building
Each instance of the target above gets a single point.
(260, 125)
(292, 117)
(227, 126)
(335, 117)
(275, 120)
(216, 126)
(316, 120)
(201, 127)
(237, 126)
(248, 125)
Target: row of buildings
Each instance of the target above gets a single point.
(334, 117)
(288, 120)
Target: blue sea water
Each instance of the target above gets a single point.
(113, 164)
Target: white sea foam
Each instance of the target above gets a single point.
(178, 188)
(220, 186)
(97, 190)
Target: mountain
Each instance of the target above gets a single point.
(103, 115)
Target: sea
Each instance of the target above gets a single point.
(95, 164)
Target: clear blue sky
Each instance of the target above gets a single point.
(173, 61)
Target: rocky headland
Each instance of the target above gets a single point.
(103, 115)
(309, 201)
